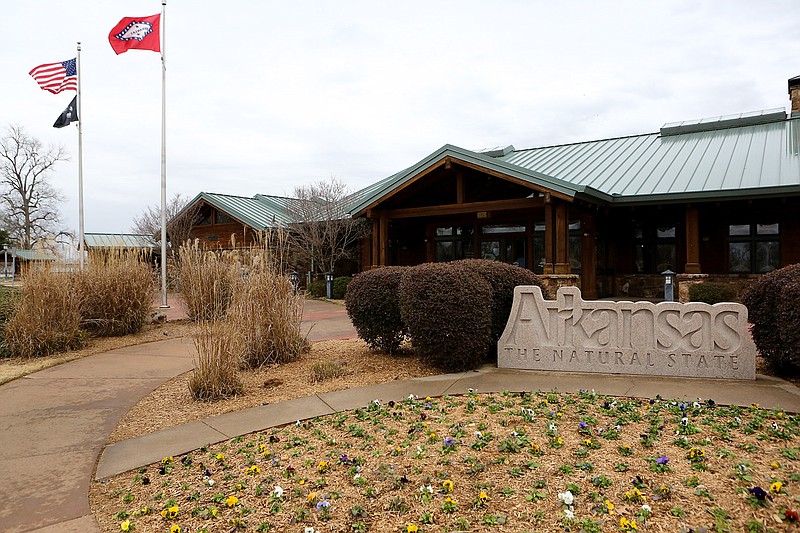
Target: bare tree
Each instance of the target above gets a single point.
(322, 232)
(178, 228)
(30, 203)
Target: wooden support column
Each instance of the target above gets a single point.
(459, 187)
(692, 241)
(384, 239)
(562, 265)
(549, 258)
(375, 242)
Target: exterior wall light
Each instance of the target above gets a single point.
(329, 284)
(669, 285)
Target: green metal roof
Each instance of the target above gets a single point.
(118, 240)
(260, 212)
(34, 255)
(761, 159)
(729, 157)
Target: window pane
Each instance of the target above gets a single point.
(539, 227)
(538, 254)
(767, 229)
(665, 257)
(665, 233)
(515, 251)
(767, 256)
(444, 251)
(465, 231)
(638, 259)
(575, 224)
(739, 257)
(638, 233)
(490, 250)
(503, 228)
(462, 249)
(223, 218)
(739, 229)
(444, 231)
(205, 219)
(575, 253)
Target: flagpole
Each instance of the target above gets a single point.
(79, 112)
(164, 303)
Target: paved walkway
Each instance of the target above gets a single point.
(54, 424)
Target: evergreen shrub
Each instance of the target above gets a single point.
(317, 289)
(773, 307)
(446, 308)
(373, 306)
(340, 286)
(712, 293)
(502, 278)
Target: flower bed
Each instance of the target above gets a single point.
(481, 462)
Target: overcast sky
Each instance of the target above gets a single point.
(263, 96)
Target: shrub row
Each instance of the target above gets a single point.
(773, 307)
(453, 313)
(712, 293)
(319, 288)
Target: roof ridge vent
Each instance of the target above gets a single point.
(750, 118)
(497, 151)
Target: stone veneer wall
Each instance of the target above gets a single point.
(552, 282)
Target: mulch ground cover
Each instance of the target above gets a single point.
(481, 462)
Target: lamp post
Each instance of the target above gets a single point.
(329, 284)
(5, 262)
(669, 284)
(294, 279)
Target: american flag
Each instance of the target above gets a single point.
(57, 77)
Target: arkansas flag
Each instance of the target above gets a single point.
(141, 33)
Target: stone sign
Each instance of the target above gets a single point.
(663, 339)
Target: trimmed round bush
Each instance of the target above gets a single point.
(373, 306)
(711, 293)
(446, 308)
(340, 286)
(502, 279)
(773, 307)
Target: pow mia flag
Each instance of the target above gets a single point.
(70, 114)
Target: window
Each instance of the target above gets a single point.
(575, 246)
(538, 247)
(204, 220)
(453, 242)
(223, 218)
(654, 248)
(753, 248)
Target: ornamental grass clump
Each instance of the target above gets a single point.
(47, 318)
(206, 279)
(265, 312)
(216, 373)
(373, 304)
(447, 309)
(117, 292)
